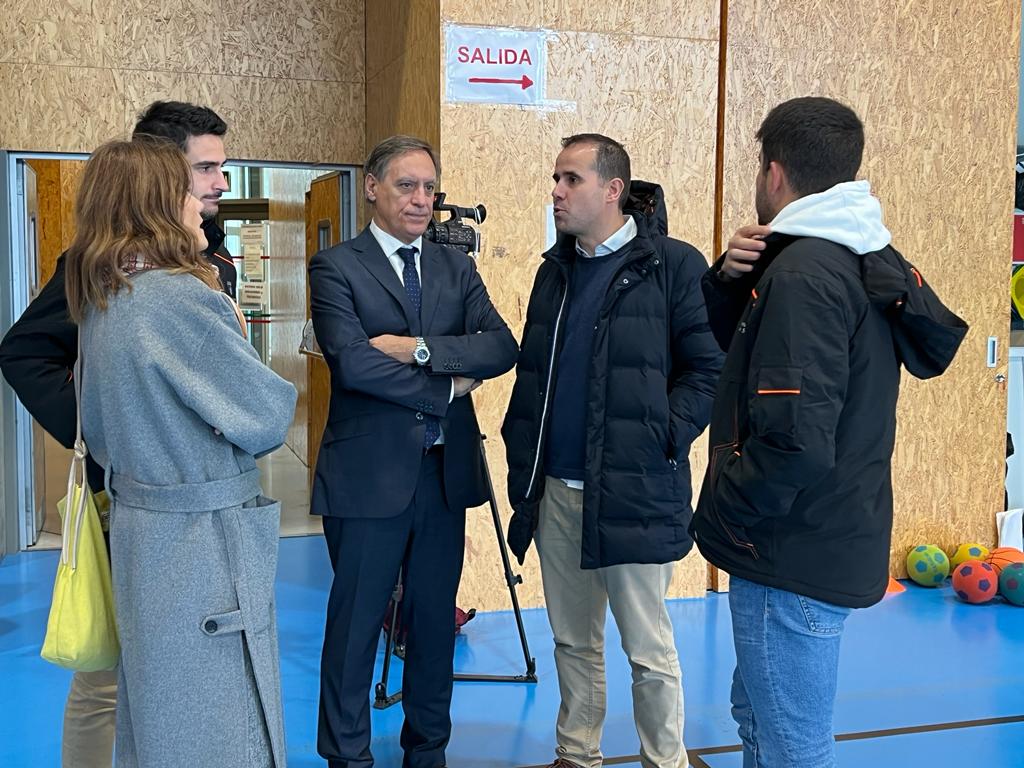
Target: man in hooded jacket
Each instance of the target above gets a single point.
(817, 313)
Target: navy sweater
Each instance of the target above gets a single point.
(565, 457)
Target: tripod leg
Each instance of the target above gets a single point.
(381, 700)
(511, 579)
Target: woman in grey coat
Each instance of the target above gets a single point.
(176, 405)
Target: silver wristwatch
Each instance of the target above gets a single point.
(421, 354)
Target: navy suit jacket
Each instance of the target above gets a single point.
(372, 445)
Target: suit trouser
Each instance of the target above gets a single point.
(577, 602)
(428, 539)
(88, 738)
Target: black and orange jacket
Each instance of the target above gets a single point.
(798, 491)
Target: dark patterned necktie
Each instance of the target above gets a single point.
(412, 287)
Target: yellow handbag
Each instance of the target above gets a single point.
(81, 633)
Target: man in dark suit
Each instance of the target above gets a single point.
(408, 331)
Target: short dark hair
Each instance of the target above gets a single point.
(818, 141)
(612, 161)
(178, 121)
(393, 146)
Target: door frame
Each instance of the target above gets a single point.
(17, 523)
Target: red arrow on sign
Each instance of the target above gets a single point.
(524, 81)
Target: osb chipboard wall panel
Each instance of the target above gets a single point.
(280, 39)
(58, 32)
(288, 77)
(657, 18)
(59, 109)
(288, 120)
(286, 273)
(910, 27)
(301, 40)
(483, 13)
(403, 55)
(664, 111)
(939, 154)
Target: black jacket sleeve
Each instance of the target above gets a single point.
(799, 370)
(726, 300)
(37, 356)
(696, 359)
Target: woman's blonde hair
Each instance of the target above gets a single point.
(129, 207)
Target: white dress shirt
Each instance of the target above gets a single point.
(390, 245)
(621, 236)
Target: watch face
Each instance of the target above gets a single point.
(422, 355)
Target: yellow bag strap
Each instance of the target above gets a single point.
(71, 528)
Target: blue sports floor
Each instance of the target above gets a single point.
(924, 680)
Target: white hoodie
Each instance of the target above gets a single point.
(847, 214)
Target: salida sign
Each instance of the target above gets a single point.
(496, 66)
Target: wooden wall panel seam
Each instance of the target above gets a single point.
(188, 72)
(723, 50)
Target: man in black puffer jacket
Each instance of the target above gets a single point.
(614, 381)
(818, 313)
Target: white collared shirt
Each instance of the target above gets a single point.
(619, 239)
(390, 245)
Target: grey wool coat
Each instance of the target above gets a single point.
(175, 405)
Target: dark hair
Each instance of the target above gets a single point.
(818, 141)
(393, 146)
(612, 161)
(129, 206)
(178, 121)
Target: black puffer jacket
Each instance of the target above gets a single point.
(650, 384)
(798, 492)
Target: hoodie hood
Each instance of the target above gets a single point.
(926, 334)
(847, 214)
(647, 200)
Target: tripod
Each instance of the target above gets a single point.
(382, 700)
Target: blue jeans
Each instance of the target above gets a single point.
(784, 687)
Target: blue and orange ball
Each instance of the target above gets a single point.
(975, 582)
(927, 565)
(967, 552)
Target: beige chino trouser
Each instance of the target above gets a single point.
(577, 602)
(88, 740)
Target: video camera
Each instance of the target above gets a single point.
(452, 232)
